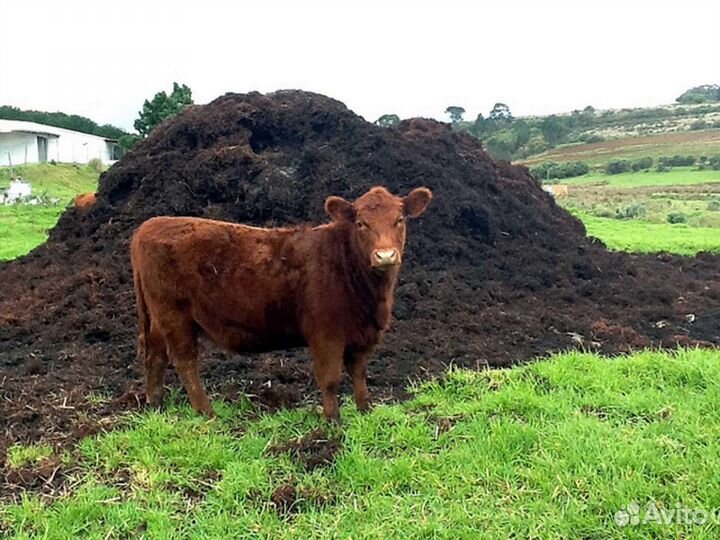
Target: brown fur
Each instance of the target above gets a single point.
(84, 200)
(251, 289)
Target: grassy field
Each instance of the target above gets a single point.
(23, 227)
(644, 237)
(679, 176)
(696, 143)
(631, 211)
(64, 180)
(561, 448)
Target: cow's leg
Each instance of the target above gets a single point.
(183, 351)
(356, 365)
(156, 361)
(327, 366)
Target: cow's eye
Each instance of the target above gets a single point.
(361, 225)
(400, 221)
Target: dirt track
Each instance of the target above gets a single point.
(495, 273)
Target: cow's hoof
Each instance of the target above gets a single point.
(155, 401)
(207, 411)
(364, 408)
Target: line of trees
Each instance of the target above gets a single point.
(62, 120)
(154, 111)
(507, 137)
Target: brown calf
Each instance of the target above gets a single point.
(328, 287)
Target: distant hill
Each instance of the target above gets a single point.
(511, 138)
(671, 143)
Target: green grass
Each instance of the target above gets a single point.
(645, 237)
(64, 180)
(19, 455)
(696, 143)
(24, 227)
(549, 450)
(680, 176)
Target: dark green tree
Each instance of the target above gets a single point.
(455, 113)
(162, 106)
(388, 120)
(501, 145)
(501, 113)
(521, 129)
(128, 141)
(553, 129)
(61, 120)
(706, 93)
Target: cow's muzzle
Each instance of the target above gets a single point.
(385, 258)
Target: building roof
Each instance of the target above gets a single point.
(11, 126)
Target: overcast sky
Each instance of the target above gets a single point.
(101, 59)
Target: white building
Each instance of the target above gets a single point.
(27, 142)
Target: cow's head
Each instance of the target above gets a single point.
(377, 222)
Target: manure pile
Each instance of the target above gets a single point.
(495, 272)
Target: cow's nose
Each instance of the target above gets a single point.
(385, 257)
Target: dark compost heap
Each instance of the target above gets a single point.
(495, 272)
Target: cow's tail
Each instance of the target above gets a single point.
(143, 318)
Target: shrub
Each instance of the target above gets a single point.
(677, 160)
(698, 124)
(576, 168)
(632, 211)
(641, 164)
(552, 170)
(662, 167)
(617, 166)
(604, 211)
(714, 162)
(714, 205)
(676, 217)
(594, 138)
(96, 165)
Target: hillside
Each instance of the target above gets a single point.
(517, 138)
(694, 143)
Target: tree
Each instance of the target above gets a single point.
(706, 93)
(501, 145)
(484, 127)
(521, 129)
(388, 120)
(128, 141)
(553, 129)
(501, 113)
(161, 107)
(455, 113)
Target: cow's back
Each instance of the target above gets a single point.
(240, 284)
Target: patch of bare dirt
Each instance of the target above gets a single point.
(313, 450)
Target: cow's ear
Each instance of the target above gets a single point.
(415, 203)
(339, 209)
